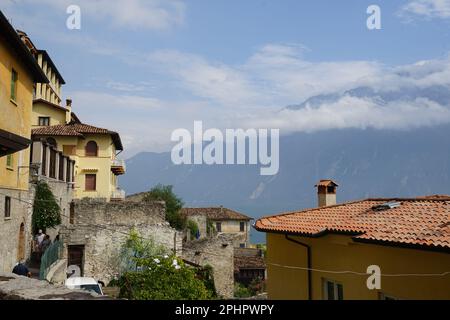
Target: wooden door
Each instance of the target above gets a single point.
(75, 257)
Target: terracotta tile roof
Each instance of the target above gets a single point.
(217, 213)
(423, 222)
(76, 130)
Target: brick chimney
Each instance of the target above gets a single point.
(326, 193)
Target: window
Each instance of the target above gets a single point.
(61, 167)
(91, 149)
(219, 226)
(52, 172)
(72, 213)
(44, 160)
(44, 121)
(242, 226)
(242, 245)
(14, 78)
(9, 161)
(332, 290)
(7, 207)
(91, 182)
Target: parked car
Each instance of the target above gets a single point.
(84, 283)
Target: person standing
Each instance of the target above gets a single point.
(39, 238)
(45, 243)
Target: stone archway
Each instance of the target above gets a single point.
(21, 247)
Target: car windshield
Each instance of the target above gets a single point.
(91, 287)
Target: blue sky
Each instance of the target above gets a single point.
(145, 68)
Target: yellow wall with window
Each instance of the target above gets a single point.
(99, 165)
(15, 117)
(40, 109)
(339, 252)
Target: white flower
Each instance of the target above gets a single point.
(166, 257)
(175, 262)
(177, 267)
(156, 260)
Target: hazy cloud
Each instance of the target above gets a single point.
(427, 9)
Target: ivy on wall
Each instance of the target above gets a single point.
(46, 210)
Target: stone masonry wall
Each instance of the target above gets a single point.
(102, 228)
(219, 253)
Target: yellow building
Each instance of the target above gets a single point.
(223, 220)
(94, 151)
(18, 74)
(325, 253)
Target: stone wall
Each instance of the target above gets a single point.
(102, 227)
(10, 227)
(217, 252)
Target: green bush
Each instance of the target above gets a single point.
(241, 291)
(192, 226)
(151, 274)
(46, 210)
(173, 205)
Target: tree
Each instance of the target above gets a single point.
(46, 210)
(173, 205)
(154, 276)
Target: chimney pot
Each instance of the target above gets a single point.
(69, 102)
(326, 193)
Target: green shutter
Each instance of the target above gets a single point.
(13, 84)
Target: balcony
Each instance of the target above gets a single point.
(118, 167)
(118, 195)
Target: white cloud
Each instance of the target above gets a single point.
(427, 8)
(130, 14)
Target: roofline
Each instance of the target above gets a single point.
(354, 234)
(40, 100)
(21, 49)
(52, 65)
(353, 202)
(245, 217)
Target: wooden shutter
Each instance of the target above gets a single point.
(91, 149)
(91, 182)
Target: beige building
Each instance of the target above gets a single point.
(221, 220)
(19, 73)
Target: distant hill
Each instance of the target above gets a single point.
(365, 163)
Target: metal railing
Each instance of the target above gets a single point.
(118, 194)
(119, 163)
(52, 254)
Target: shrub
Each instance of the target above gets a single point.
(46, 210)
(173, 205)
(241, 291)
(152, 275)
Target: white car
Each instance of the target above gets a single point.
(84, 283)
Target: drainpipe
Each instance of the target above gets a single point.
(308, 252)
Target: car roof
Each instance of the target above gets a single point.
(78, 281)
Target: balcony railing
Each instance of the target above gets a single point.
(118, 166)
(118, 194)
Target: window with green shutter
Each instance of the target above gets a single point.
(14, 78)
(9, 161)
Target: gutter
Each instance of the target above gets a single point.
(308, 257)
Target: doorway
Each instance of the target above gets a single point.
(75, 259)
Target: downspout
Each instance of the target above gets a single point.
(308, 257)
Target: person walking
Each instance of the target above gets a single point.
(45, 243)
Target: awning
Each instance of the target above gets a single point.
(11, 143)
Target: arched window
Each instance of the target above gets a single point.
(52, 142)
(91, 149)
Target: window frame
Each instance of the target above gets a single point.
(88, 153)
(13, 88)
(44, 121)
(219, 226)
(10, 161)
(7, 208)
(242, 226)
(86, 179)
(338, 290)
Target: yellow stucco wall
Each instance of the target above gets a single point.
(15, 117)
(40, 109)
(338, 252)
(100, 165)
